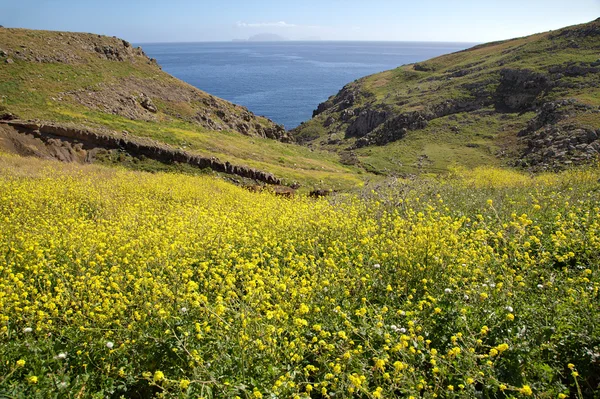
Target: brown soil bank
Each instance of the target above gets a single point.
(73, 144)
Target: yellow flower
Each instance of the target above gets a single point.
(502, 347)
(158, 376)
(32, 379)
(510, 317)
(20, 363)
(526, 390)
(184, 384)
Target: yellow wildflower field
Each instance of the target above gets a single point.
(115, 283)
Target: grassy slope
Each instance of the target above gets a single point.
(34, 90)
(481, 136)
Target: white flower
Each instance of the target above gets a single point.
(62, 355)
(493, 285)
(402, 313)
(183, 310)
(376, 265)
(540, 286)
(27, 330)
(466, 297)
(448, 291)
(62, 385)
(509, 308)
(110, 345)
(401, 330)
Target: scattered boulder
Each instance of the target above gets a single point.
(147, 104)
(422, 67)
(9, 61)
(554, 147)
(7, 116)
(329, 121)
(320, 193)
(283, 191)
(347, 114)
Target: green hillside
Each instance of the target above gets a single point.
(103, 83)
(530, 102)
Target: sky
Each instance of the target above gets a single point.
(151, 21)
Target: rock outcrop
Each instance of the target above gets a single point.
(69, 144)
(553, 144)
(519, 89)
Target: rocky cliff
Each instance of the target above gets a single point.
(532, 102)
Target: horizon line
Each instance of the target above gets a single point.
(306, 41)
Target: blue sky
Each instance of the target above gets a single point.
(214, 20)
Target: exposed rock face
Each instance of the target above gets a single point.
(394, 129)
(519, 89)
(365, 122)
(346, 98)
(71, 144)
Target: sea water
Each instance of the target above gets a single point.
(285, 81)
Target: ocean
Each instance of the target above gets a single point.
(285, 81)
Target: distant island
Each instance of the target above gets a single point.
(263, 37)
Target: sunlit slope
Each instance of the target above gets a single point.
(530, 102)
(100, 82)
(115, 283)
